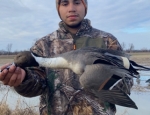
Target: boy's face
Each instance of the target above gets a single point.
(72, 12)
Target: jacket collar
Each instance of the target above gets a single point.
(85, 27)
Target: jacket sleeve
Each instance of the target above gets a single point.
(34, 84)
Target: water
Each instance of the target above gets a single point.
(142, 100)
(141, 96)
(13, 99)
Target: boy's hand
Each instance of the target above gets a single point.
(11, 75)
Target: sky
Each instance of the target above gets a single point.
(22, 22)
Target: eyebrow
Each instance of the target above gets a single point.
(77, 0)
(67, 0)
(63, 1)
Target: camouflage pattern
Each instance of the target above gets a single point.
(60, 90)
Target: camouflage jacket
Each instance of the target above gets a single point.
(60, 88)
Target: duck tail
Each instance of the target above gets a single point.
(138, 67)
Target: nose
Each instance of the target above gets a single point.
(71, 8)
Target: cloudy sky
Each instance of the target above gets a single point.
(24, 21)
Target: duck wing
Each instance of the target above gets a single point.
(115, 96)
(101, 81)
(102, 76)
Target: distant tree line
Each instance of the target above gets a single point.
(8, 51)
(129, 49)
(3, 52)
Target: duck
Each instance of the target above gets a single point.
(24, 59)
(99, 70)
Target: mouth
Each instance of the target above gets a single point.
(72, 17)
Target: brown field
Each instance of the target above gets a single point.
(6, 59)
(141, 58)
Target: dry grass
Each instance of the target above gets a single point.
(5, 110)
(141, 58)
(6, 59)
(22, 108)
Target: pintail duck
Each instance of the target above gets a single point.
(100, 70)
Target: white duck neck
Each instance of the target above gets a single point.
(57, 62)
